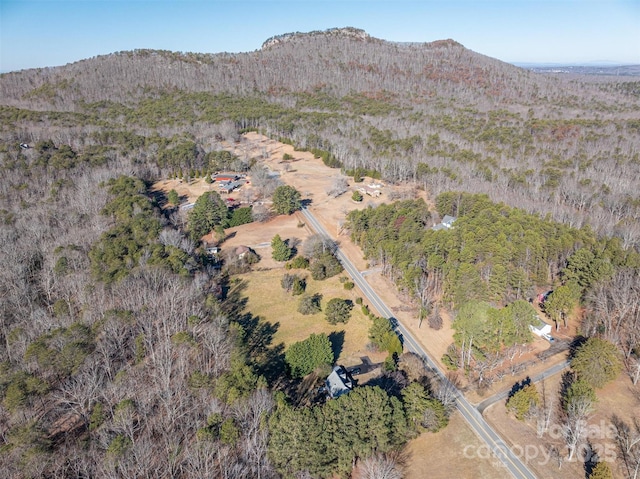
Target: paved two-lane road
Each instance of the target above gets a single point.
(513, 464)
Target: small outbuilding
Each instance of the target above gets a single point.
(540, 328)
(445, 224)
(212, 249)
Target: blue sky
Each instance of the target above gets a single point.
(55, 32)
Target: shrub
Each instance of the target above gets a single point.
(378, 331)
(62, 266)
(287, 282)
(310, 304)
(118, 445)
(299, 262)
(240, 216)
(349, 285)
(97, 417)
(325, 266)
(391, 342)
(356, 196)
(451, 358)
(299, 285)
(61, 308)
(435, 321)
(390, 363)
(597, 361)
(523, 401)
(280, 249)
(423, 412)
(229, 433)
(338, 310)
(173, 198)
(286, 200)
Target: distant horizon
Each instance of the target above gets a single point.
(602, 63)
(50, 33)
(525, 64)
(594, 64)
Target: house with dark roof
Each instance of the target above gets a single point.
(339, 382)
(229, 186)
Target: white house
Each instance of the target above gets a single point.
(446, 224)
(540, 328)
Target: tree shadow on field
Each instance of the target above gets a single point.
(393, 382)
(258, 339)
(159, 197)
(293, 243)
(234, 303)
(337, 342)
(589, 459)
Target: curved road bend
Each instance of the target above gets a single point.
(537, 378)
(512, 462)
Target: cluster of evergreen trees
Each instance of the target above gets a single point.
(493, 253)
(325, 440)
(133, 236)
(493, 256)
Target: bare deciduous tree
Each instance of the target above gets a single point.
(628, 441)
(379, 466)
(339, 186)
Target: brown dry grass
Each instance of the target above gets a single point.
(190, 191)
(442, 455)
(615, 398)
(270, 302)
(258, 237)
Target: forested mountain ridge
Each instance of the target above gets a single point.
(335, 62)
(436, 113)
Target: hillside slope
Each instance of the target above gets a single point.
(335, 62)
(436, 113)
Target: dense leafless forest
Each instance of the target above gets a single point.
(90, 369)
(434, 113)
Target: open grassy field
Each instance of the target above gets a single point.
(454, 451)
(270, 302)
